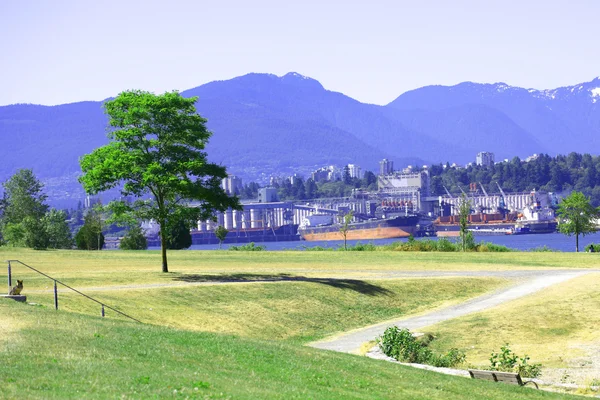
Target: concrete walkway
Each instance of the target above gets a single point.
(536, 280)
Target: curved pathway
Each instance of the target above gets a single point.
(537, 280)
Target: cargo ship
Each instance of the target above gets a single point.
(323, 227)
(533, 219)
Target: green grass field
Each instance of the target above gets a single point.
(272, 301)
(48, 354)
(557, 327)
(299, 311)
(101, 268)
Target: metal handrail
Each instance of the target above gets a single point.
(65, 285)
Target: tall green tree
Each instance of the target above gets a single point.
(464, 210)
(90, 236)
(577, 216)
(22, 210)
(156, 151)
(59, 234)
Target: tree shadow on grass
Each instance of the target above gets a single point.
(346, 284)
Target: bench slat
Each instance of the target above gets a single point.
(509, 377)
(479, 374)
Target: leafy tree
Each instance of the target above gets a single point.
(464, 210)
(59, 234)
(134, 239)
(157, 152)
(345, 226)
(22, 209)
(310, 189)
(178, 235)
(346, 177)
(221, 233)
(577, 216)
(90, 236)
(36, 236)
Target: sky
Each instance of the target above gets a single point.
(63, 51)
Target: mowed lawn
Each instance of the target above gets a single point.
(51, 354)
(104, 268)
(557, 327)
(298, 310)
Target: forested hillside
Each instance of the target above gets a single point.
(558, 174)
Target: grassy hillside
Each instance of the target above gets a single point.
(298, 311)
(48, 354)
(88, 269)
(556, 327)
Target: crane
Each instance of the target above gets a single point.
(447, 191)
(482, 188)
(503, 194)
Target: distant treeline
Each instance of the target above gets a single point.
(553, 174)
(302, 189)
(558, 174)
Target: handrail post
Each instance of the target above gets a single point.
(9, 278)
(55, 296)
(102, 310)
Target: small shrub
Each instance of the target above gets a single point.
(401, 345)
(361, 247)
(318, 248)
(445, 245)
(543, 248)
(248, 247)
(508, 361)
(595, 246)
(484, 247)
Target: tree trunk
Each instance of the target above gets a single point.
(163, 248)
(577, 243)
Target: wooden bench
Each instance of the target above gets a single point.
(497, 376)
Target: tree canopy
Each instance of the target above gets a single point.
(577, 216)
(22, 211)
(156, 152)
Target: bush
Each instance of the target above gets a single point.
(543, 248)
(596, 247)
(361, 247)
(318, 248)
(484, 247)
(508, 361)
(248, 247)
(134, 239)
(401, 345)
(443, 244)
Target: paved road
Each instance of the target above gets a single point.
(535, 280)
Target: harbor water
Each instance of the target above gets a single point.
(554, 241)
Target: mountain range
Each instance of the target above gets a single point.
(264, 124)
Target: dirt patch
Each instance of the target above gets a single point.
(581, 371)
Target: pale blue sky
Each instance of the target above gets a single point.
(63, 51)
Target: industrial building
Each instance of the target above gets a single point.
(405, 187)
(485, 159)
(232, 185)
(386, 167)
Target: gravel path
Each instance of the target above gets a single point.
(536, 280)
